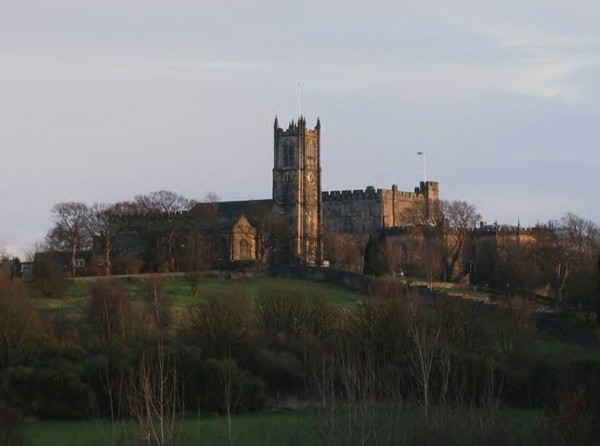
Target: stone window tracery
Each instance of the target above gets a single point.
(311, 149)
(288, 153)
(244, 249)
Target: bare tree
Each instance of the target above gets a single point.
(425, 330)
(197, 257)
(101, 223)
(205, 229)
(154, 397)
(459, 217)
(567, 248)
(449, 223)
(211, 203)
(36, 246)
(69, 232)
(212, 198)
(154, 392)
(165, 207)
(344, 250)
(395, 253)
(3, 252)
(424, 254)
(262, 219)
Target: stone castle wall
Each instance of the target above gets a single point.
(370, 210)
(353, 211)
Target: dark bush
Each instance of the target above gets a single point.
(228, 388)
(49, 279)
(52, 387)
(572, 419)
(21, 330)
(282, 370)
(109, 313)
(293, 312)
(221, 324)
(375, 263)
(10, 434)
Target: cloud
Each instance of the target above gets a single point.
(533, 60)
(549, 77)
(519, 36)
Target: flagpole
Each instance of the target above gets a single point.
(424, 165)
(299, 101)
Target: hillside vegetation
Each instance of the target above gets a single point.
(142, 353)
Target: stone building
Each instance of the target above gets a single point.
(298, 212)
(307, 211)
(495, 247)
(370, 210)
(297, 192)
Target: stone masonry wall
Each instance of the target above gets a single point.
(367, 211)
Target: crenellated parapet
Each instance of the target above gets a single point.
(367, 211)
(296, 127)
(390, 194)
(503, 229)
(370, 193)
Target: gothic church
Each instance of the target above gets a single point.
(308, 211)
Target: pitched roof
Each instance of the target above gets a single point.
(229, 212)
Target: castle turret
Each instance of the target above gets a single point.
(430, 189)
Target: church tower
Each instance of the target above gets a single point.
(297, 194)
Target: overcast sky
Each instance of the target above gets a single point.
(103, 100)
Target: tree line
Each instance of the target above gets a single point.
(445, 242)
(76, 226)
(130, 356)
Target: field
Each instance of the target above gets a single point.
(268, 428)
(300, 427)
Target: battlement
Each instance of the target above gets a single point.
(500, 229)
(295, 127)
(394, 193)
(370, 193)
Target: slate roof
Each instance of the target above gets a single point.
(229, 212)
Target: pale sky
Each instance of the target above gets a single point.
(103, 100)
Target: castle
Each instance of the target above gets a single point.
(305, 210)
(289, 228)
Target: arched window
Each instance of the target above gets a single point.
(311, 149)
(244, 249)
(288, 153)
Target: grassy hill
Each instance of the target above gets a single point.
(179, 293)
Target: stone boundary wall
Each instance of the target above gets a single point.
(352, 281)
(346, 279)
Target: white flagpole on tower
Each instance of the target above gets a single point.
(424, 165)
(299, 101)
